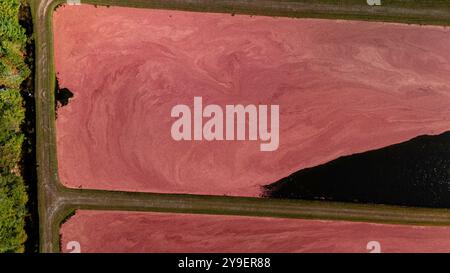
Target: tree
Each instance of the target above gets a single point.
(13, 71)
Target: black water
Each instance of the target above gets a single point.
(62, 96)
(412, 173)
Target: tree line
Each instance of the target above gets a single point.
(13, 72)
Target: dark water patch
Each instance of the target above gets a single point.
(62, 96)
(412, 173)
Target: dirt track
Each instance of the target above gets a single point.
(56, 202)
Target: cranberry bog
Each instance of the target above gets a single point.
(110, 147)
(112, 231)
(342, 87)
